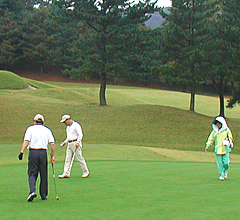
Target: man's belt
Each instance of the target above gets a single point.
(72, 141)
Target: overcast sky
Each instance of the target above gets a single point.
(161, 3)
(165, 3)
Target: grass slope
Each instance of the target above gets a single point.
(9, 80)
(130, 124)
(125, 95)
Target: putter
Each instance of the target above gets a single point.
(54, 181)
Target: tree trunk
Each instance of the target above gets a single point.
(102, 91)
(103, 75)
(220, 89)
(192, 101)
(221, 98)
(221, 95)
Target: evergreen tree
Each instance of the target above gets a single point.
(110, 20)
(70, 31)
(9, 40)
(40, 38)
(14, 6)
(138, 58)
(234, 10)
(221, 45)
(181, 43)
(10, 32)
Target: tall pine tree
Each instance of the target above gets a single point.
(221, 45)
(10, 32)
(110, 20)
(181, 42)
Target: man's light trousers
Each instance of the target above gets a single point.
(71, 148)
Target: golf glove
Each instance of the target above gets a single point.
(20, 156)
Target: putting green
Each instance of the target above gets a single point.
(125, 190)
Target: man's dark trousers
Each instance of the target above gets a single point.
(37, 163)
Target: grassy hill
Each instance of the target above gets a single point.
(9, 80)
(134, 116)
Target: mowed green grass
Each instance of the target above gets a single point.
(129, 123)
(10, 80)
(126, 190)
(144, 151)
(125, 95)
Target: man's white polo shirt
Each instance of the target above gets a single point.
(38, 136)
(74, 131)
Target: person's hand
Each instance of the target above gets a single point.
(20, 156)
(52, 159)
(77, 145)
(62, 144)
(206, 149)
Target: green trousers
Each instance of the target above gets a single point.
(222, 164)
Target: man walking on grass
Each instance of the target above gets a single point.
(74, 147)
(37, 137)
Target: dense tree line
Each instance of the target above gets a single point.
(197, 44)
(201, 41)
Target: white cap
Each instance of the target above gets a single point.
(65, 117)
(38, 117)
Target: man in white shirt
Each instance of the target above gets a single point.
(36, 139)
(74, 141)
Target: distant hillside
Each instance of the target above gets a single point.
(156, 20)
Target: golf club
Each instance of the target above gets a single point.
(54, 181)
(73, 158)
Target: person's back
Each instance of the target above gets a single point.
(38, 136)
(36, 139)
